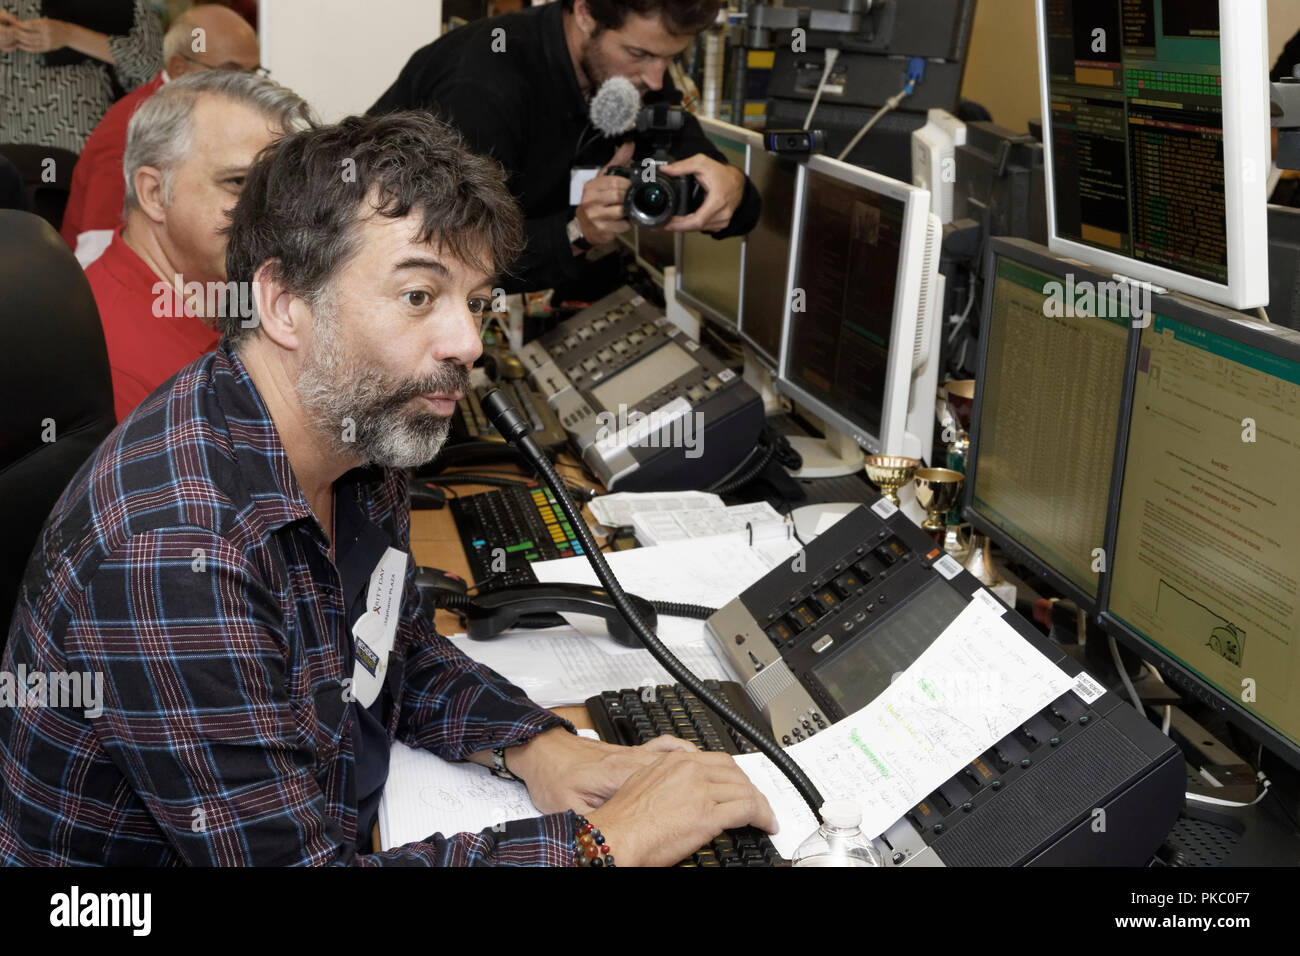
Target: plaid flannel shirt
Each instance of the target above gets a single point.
(184, 565)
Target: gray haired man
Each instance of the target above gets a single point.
(206, 37)
(162, 281)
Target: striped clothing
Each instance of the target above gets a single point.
(183, 567)
(59, 105)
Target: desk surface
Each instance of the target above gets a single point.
(435, 543)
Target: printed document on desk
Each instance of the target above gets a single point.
(616, 510)
(707, 571)
(560, 666)
(710, 572)
(975, 684)
(739, 524)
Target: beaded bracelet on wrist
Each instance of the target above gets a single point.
(589, 846)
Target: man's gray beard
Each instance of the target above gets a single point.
(362, 413)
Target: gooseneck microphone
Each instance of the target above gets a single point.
(518, 432)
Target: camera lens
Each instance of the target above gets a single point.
(651, 203)
(653, 199)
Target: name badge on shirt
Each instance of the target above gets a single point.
(579, 176)
(376, 630)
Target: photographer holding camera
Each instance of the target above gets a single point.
(518, 86)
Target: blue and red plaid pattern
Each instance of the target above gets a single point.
(184, 565)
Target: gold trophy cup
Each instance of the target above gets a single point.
(937, 491)
(891, 472)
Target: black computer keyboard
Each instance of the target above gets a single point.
(504, 531)
(633, 717)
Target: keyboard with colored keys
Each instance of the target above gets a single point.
(503, 531)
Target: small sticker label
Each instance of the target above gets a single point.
(948, 567)
(366, 657)
(692, 345)
(884, 508)
(987, 597)
(637, 300)
(726, 375)
(1087, 688)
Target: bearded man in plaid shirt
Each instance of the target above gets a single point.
(211, 563)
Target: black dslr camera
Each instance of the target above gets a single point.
(654, 198)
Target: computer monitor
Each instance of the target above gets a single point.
(766, 265)
(708, 269)
(861, 331)
(1284, 266)
(1205, 543)
(1156, 126)
(1048, 393)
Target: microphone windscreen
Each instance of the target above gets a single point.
(615, 105)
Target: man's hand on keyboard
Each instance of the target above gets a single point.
(566, 772)
(666, 811)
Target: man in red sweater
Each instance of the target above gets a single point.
(207, 37)
(161, 283)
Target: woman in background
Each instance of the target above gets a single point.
(60, 61)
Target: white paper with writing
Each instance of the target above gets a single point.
(975, 684)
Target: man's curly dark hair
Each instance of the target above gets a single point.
(682, 17)
(306, 193)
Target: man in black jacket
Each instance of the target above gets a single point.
(517, 87)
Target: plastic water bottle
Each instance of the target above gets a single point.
(838, 841)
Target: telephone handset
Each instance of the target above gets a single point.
(533, 605)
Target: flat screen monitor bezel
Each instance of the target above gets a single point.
(1250, 332)
(750, 140)
(1041, 259)
(907, 298)
(1246, 127)
(771, 361)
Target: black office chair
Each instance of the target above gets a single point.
(47, 175)
(13, 191)
(55, 375)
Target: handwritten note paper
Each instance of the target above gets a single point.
(975, 684)
(426, 794)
